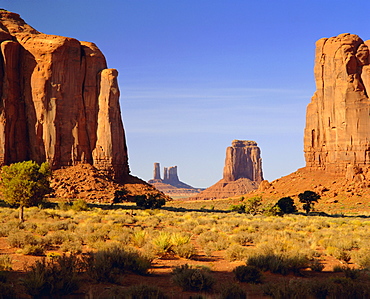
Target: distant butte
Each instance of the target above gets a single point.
(170, 184)
(242, 172)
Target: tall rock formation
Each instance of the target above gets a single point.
(157, 171)
(59, 101)
(242, 172)
(337, 133)
(243, 160)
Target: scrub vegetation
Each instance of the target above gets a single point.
(77, 244)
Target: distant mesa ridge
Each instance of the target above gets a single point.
(170, 177)
(242, 172)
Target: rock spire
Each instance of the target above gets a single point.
(59, 101)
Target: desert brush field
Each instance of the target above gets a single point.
(90, 251)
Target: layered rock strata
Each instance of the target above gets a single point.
(337, 133)
(59, 101)
(242, 172)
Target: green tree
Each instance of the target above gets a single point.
(25, 184)
(286, 205)
(253, 205)
(308, 198)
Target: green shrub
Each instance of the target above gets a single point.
(21, 239)
(80, 205)
(240, 208)
(5, 262)
(278, 263)
(187, 251)
(232, 292)
(286, 205)
(36, 250)
(270, 210)
(316, 266)
(107, 265)
(64, 205)
(162, 242)
(190, 279)
(249, 274)
(52, 277)
(150, 201)
(253, 205)
(236, 252)
(362, 258)
(351, 272)
(139, 238)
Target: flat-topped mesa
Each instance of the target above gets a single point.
(337, 133)
(59, 101)
(243, 160)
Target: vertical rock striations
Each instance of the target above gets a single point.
(59, 101)
(243, 160)
(157, 171)
(242, 172)
(337, 133)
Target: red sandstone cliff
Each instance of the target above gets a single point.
(337, 133)
(59, 101)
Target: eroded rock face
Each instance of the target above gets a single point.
(157, 171)
(337, 133)
(59, 101)
(242, 172)
(243, 160)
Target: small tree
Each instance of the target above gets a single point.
(25, 184)
(253, 205)
(286, 205)
(308, 198)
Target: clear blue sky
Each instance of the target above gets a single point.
(196, 74)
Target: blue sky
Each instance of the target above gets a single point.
(196, 74)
